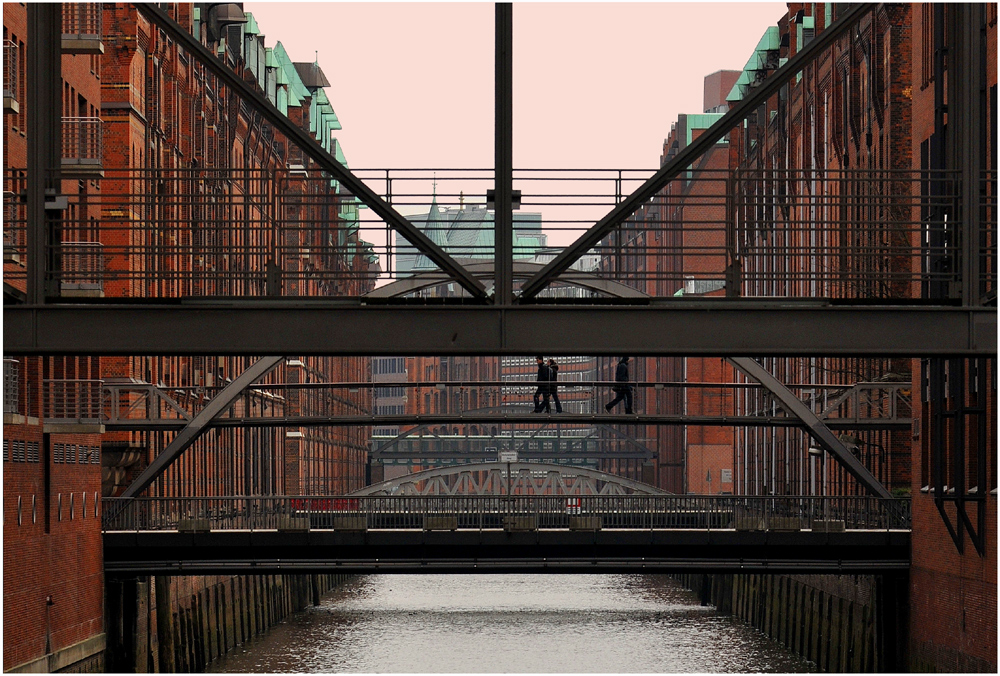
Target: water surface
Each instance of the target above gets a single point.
(514, 624)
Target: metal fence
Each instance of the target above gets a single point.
(82, 266)
(10, 69)
(82, 19)
(13, 228)
(78, 400)
(10, 385)
(82, 141)
(847, 234)
(841, 405)
(486, 512)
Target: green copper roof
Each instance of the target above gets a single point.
(770, 41)
(326, 110)
(295, 84)
(702, 121)
(338, 152)
(250, 28)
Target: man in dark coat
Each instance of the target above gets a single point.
(542, 393)
(621, 388)
(553, 377)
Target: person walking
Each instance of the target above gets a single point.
(542, 392)
(553, 377)
(621, 387)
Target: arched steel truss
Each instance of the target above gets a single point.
(522, 270)
(526, 478)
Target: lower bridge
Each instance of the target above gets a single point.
(505, 534)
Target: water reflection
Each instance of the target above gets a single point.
(512, 623)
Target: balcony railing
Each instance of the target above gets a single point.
(82, 268)
(10, 71)
(13, 228)
(72, 400)
(82, 146)
(10, 393)
(81, 28)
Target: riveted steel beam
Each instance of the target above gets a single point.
(309, 145)
(689, 154)
(199, 424)
(817, 429)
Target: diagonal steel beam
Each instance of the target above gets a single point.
(309, 145)
(684, 158)
(200, 424)
(817, 428)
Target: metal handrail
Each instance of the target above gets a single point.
(82, 264)
(82, 19)
(10, 385)
(83, 140)
(71, 399)
(10, 69)
(644, 512)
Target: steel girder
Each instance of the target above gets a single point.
(499, 551)
(683, 328)
(199, 424)
(691, 152)
(817, 429)
(309, 145)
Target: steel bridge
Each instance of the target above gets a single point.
(855, 311)
(504, 533)
(850, 293)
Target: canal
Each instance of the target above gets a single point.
(512, 623)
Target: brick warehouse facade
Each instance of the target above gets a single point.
(169, 129)
(953, 587)
(863, 116)
(818, 125)
(53, 581)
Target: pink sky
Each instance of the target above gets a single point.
(596, 85)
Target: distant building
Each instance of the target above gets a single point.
(466, 233)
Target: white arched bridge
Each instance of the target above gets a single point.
(539, 518)
(520, 478)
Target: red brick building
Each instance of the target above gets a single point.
(174, 188)
(953, 597)
(834, 137)
(53, 572)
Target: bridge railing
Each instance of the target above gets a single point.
(643, 512)
(831, 234)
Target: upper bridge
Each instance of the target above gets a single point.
(821, 262)
(505, 533)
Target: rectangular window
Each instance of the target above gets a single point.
(926, 43)
(58, 453)
(70, 454)
(33, 451)
(19, 451)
